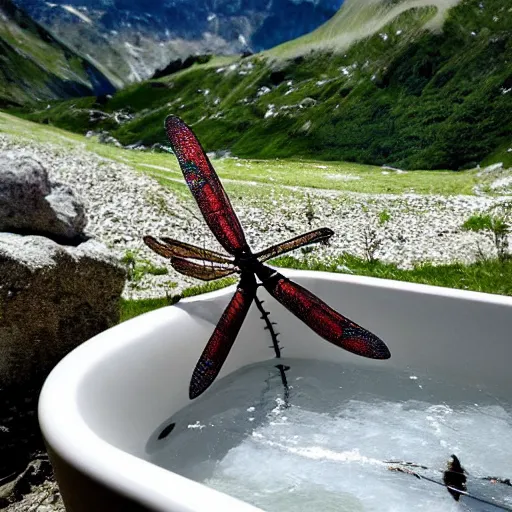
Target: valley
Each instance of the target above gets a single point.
(408, 96)
(363, 136)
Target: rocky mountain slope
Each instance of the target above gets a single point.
(133, 38)
(428, 88)
(35, 65)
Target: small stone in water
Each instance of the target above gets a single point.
(166, 431)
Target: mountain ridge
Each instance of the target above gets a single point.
(408, 95)
(131, 39)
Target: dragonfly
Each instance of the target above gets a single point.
(205, 264)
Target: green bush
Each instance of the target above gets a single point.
(497, 224)
(478, 223)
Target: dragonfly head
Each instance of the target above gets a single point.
(246, 262)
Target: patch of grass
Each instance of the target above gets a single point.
(488, 276)
(210, 286)
(156, 271)
(478, 223)
(133, 308)
(384, 217)
(502, 154)
(242, 174)
(497, 225)
(309, 211)
(354, 22)
(138, 268)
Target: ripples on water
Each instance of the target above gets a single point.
(323, 447)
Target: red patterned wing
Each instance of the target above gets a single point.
(223, 337)
(326, 322)
(313, 237)
(206, 187)
(169, 248)
(205, 272)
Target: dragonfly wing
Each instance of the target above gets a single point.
(205, 272)
(169, 248)
(321, 318)
(217, 349)
(318, 235)
(206, 187)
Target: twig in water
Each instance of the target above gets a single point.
(452, 490)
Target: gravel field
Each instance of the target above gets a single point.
(123, 205)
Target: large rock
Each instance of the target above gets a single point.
(52, 298)
(36, 473)
(31, 204)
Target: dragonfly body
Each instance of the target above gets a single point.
(224, 224)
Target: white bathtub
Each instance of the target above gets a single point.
(103, 401)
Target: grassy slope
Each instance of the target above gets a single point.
(404, 96)
(358, 20)
(36, 66)
(248, 177)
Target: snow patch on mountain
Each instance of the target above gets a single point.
(76, 12)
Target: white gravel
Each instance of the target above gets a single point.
(123, 205)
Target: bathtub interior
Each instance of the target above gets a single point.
(138, 373)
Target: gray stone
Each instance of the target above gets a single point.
(31, 204)
(52, 298)
(42, 498)
(135, 145)
(161, 148)
(123, 116)
(308, 102)
(95, 116)
(263, 90)
(106, 138)
(36, 473)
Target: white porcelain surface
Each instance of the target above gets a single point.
(102, 402)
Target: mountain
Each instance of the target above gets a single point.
(132, 38)
(358, 20)
(429, 88)
(34, 65)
